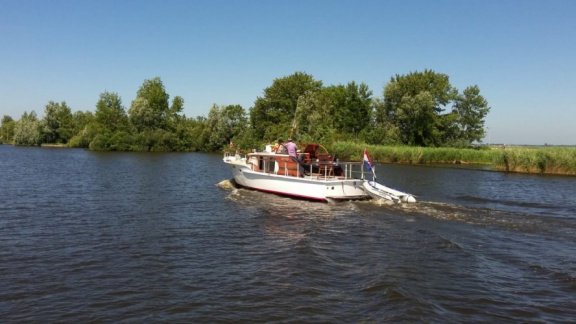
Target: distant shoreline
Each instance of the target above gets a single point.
(548, 160)
(54, 145)
(553, 160)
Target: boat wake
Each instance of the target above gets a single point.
(381, 202)
(487, 217)
(522, 221)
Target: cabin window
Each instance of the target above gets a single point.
(266, 164)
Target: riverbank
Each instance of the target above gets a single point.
(54, 145)
(558, 160)
(522, 159)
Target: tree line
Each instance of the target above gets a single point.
(416, 109)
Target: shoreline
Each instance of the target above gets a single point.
(517, 159)
(559, 161)
(47, 145)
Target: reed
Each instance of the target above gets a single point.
(544, 160)
(549, 160)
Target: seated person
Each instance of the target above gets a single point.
(279, 147)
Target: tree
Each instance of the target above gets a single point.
(353, 105)
(234, 120)
(80, 119)
(58, 123)
(150, 109)
(215, 134)
(110, 114)
(174, 115)
(27, 130)
(223, 125)
(196, 131)
(7, 129)
(381, 130)
(471, 109)
(414, 103)
(85, 129)
(273, 114)
(315, 116)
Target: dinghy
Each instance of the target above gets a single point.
(379, 191)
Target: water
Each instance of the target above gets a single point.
(122, 237)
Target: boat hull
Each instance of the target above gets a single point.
(308, 187)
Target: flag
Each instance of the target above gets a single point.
(369, 163)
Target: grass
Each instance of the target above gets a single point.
(549, 160)
(543, 160)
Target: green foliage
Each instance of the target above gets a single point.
(246, 141)
(552, 160)
(314, 120)
(381, 134)
(411, 112)
(343, 118)
(223, 125)
(548, 160)
(84, 137)
(329, 113)
(187, 135)
(99, 143)
(58, 124)
(7, 130)
(27, 130)
(414, 102)
(233, 119)
(157, 140)
(80, 120)
(150, 125)
(353, 107)
(150, 109)
(273, 114)
(196, 134)
(110, 114)
(471, 109)
(174, 114)
(120, 141)
(415, 155)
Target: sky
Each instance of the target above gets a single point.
(520, 53)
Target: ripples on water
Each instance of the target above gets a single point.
(159, 237)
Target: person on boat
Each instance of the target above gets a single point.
(292, 149)
(279, 147)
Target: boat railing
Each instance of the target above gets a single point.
(230, 156)
(352, 170)
(282, 164)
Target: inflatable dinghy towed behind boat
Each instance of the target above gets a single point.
(379, 191)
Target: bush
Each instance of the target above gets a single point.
(120, 141)
(99, 143)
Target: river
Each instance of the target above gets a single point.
(133, 237)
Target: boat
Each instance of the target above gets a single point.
(314, 175)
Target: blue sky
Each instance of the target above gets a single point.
(521, 53)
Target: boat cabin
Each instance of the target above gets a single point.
(309, 163)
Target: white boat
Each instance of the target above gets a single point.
(379, 191)
(315, 176)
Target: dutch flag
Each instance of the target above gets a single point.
(368, 163)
